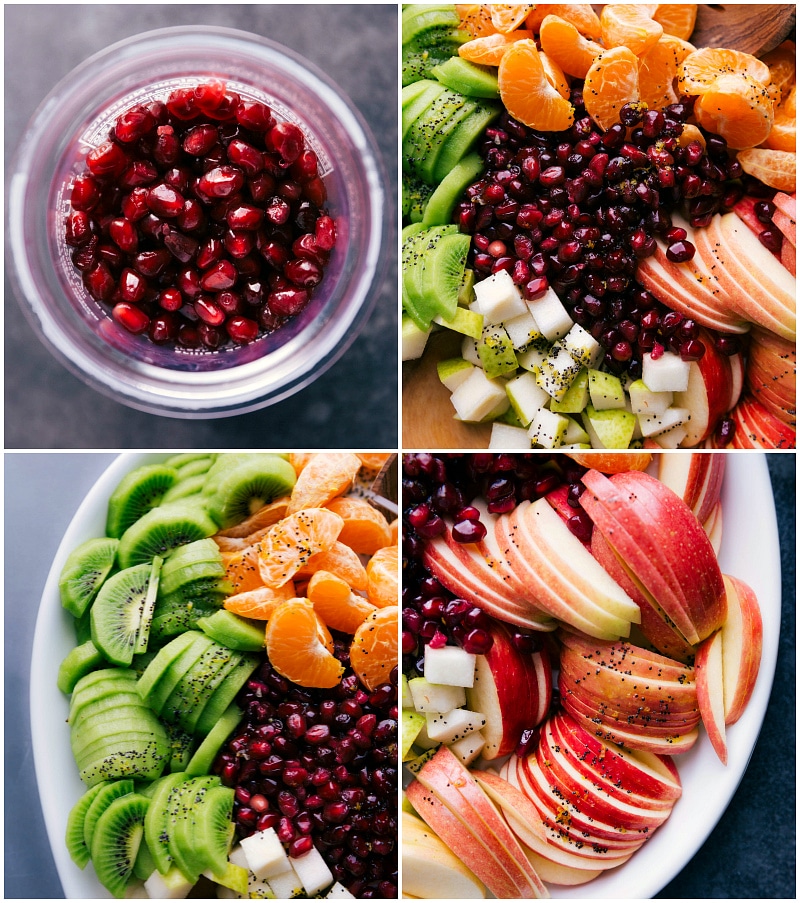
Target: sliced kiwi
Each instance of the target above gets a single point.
(194, 468)
(83, 627)
(234, 632)
(111, 791)
(158, 667)
(434, 46)
(108, 708)
(247, 486)
(116, 840)
(416, 100)
(198, 685)
(203, 829)
(177, 614)
(178, 669)
(416, 194)
(117, 613)
(184, 489)
(75, 839)
(194, 561)
(441, 274)
(429, 130)
(181, 460)
(157, 820)
(415, 254)
(418, 19)
(78, 662)
(468, 78)
(161, 530)
(203, 757)
(84, 572)
(439, 208)
(137, 493)
(141, 758)
(463, 138)
(145, 865)
(224, 695)
(182, 746)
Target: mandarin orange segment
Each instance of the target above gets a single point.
(324, 477)
(298, 460)
(701, 70)
(528, 95)
(565, 45)
(691, 133)
(782, 64)
(775, 168)
(783, 134)
(508, 16)
(382, 585)
(738, 108)
(292, 542)
(612, 462)
(338, 606)
(264, 517)
(365, 529)
(476, 19)
(611, 82)
(373, 460)
(394, 529)
(340, 560)
(299, 646)
(373, 652)
(242, 570)
(629, 25)
(555, 75)
(677, 18)
(657, 71)
(581, 15)
(259, 603)
(488, 50)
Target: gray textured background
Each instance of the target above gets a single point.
(354, 404)
(750, 854)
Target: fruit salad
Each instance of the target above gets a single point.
(233, 688)
(599, 227)
(568, 636)
(201, 222)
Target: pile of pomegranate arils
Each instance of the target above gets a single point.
(201, 221)
(576, 210)
(320, 767)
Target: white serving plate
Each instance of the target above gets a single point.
(750, 551)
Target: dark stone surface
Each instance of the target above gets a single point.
(354, 404)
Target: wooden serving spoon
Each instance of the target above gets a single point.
(427, 413)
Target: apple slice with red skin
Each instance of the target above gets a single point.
(544, 683)
(708, 394)
(491, 551)
(710, 693)
(786, 205)
(742, 641)
(696, 477)
(756, 427)
(452, 783)
(561, 875)
(558, 501)
(789, 257)
(505, 692)
(713, 528)
(654, 532)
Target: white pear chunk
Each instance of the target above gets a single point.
(586, 350)
(479, 397)
(526, 396)
(497, 298)
(505, 438)
(644, 401)
(558, 372)
(449, 727)
(547, 429)
(449, 665)
(468, 748)
(437, 698)
(667, 373)
(265, 854)
(551, 316)
(414, 339)
(655, 424)
(312, 871)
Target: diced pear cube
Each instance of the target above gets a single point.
(411, 723)
(408, 701)
(429, 697)
(522, 330)
(605, 391)
(660, 423)
(135, 890)
(414, 339)
(497, 298)
(286, 885)
(452, 726)
(449, 665)
(172, 886)
(612, 428)
(312, 871)
(576, 397)
(551, 316)
(558, 371)
(531, 359)
(575, 434)
(672, 437)
(238, 857)
(582, 346)
(526, 396)
(496, 352)
(469, 351)
(667, 373)
(467, 322)
(339, 892)
(478, 397)
(505, 437)
(547, 430)
(265, 854)
(468, 748)
(235, 878)
(261, 889)
(423, 741)
(453, 371)
(644, 401)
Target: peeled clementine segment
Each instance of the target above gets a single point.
(677, 18)
(373, 460)
(783, 134)
(739, 109)
(373, 652)
(488, 50)
(555, 75)
(340, 560)
(701, 70)
(508, 16)
(611, 82)
(782, 65)
(242, 570)
(775, 168)
(691, 133)
(264, 517)
(324, 477)
(292, 542)
(365, 529)
(629, 25)
(259, 603)
(382, 584)
(565, 45)
(394, 528)
(338, 606)
(581, 15)
(657, 71)
(298, 460)
(476, 19)
(612, 462)
(528, 95)
(300, 647)
(230, 543)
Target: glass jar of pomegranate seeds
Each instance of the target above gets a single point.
(142, 311)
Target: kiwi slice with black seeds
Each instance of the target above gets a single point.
(118, 611)
(141, 757)
(84, 571)
(198, 684)
(137, 493)
(234, 632)
(75, 840)
(163, 529)
(182, 746)
(441, 274)
(247, 486)
(110, 792)
(116, 840)
(224, 694)
(196, 467)
(159, 668)
(145, 865)
(180, 460)
(203, 830)
(157, 824)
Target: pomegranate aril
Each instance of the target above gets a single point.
(245, 217)
(181, 246)
(86, 192)
(130, 317)
(124, 235)
(107, 160)
(254, 115)
(246, 157)
(78, 229)
(165, 201)
(242, 330)
(286, 140)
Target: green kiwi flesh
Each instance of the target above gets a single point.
(79, 661)
(234, 632)
(442, 273)
(84, 571)
(201, 831)
(74, 837)
(116, 840)
(117, 613)
(161, 530)
(439, 209)
(111, 790)
(203, 757)
(137, 493)
(247, 486)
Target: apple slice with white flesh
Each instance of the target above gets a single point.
(756, 427)
(713, 528)
(742, 639)
(696, 477)
(708, 394)
(505, 691)
(710, 693)
(430, 869)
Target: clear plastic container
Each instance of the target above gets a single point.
(78, 114)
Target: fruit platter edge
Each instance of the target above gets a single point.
(751, 548)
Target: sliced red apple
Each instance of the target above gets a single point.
(756, 427)
(696, 477)
(707, 397)
(713, 528)
(742, 639)
(710, 698)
